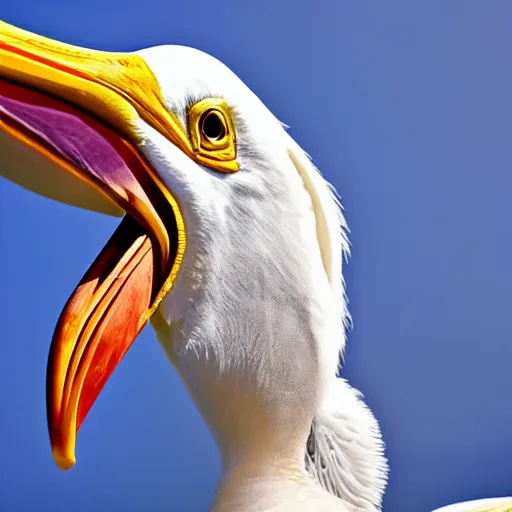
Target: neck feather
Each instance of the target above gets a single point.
(257, 390)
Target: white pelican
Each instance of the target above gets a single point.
(231, 246)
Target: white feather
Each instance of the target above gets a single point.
(256, 318)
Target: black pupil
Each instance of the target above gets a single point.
(212, 126)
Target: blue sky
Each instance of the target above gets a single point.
(407, 109)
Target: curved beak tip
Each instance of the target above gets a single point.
(63, 460)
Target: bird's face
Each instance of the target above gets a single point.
(219, 201)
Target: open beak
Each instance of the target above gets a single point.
(68, 120)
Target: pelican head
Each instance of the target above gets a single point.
(231, 244)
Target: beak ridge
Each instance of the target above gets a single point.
(118, 87)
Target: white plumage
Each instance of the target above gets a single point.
(256, 320)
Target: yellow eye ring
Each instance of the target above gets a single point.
(213, 135)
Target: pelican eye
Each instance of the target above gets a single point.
(212, 134)
(212, 125)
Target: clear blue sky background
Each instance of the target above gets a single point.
(407, 109)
